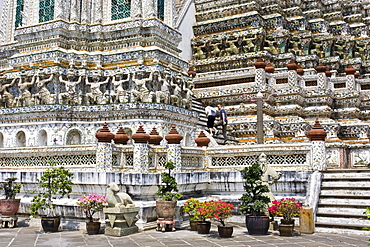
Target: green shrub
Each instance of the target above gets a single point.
(54, 181)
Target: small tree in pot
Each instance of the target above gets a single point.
(10, 205)
(168, 191)
(254, 200)
(54, 181)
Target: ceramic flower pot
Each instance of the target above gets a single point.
(92, 227)
(166, 209)
(286, 230)
(204, 227)
(225, 231)
(194, 225)
(257, 225)
(9, 206)
(50, 223)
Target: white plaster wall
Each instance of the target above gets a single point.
(185, 27)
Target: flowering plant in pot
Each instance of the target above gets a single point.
(287, 208)
(91, 204)
(204, 211)
(190, 207)
(222, 211)
(10, 205)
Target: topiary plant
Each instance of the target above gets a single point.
(54, 181)
(10, 188)
(168, 191)
(254, 200)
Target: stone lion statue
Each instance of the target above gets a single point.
(118, 200)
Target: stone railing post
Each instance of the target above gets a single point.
(174, 148)
(104, 150)
(317, 136)
(141, 150)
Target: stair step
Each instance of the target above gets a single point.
(345, 193)
(345, 212)
(346, 171)
(344, 202)
(340, 221)
(337, 184)
(346, 176)
(343, 231)
(345, 226)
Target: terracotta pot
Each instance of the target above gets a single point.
(140, 136)
(104, 135)
(50, 223)
(120, 137)
(204, 227)
(257, 225)
(92, 227)
(165, 209)
(9, 206)
(173, 137)
(286, 230)
(202, 140)
(154, 137)
(225, 231)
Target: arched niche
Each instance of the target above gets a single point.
(42, 138)
(187, 140)
(20, 139)
(1, 140)
(74, 138)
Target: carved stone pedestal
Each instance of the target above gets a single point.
(120, 221)
(165, 223)
(9, 221)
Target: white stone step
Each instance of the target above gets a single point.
(342, 211)
(351, 222)
(347, 202)
(342, 231)
(346, 184)
(346, 175)
(345, 192)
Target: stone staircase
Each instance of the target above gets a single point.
(344, 196)
(202, 124)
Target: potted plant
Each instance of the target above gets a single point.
(204, 212)
(190, 208)
(91, 204)
(10, 205)
(222, 211)
(54, 181)
(287, 208)
(254, 202)
(168, 192)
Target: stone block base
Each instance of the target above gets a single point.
(119, 232)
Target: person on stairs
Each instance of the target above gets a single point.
(211, 117)
(223, 120)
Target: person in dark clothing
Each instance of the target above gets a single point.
(223, 120)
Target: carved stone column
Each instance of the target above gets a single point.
(174, 148)
(149, 8)
(141, 150)
(104, 150)
(317, 136)
(136, 9)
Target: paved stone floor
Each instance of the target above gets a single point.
(32, 236)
